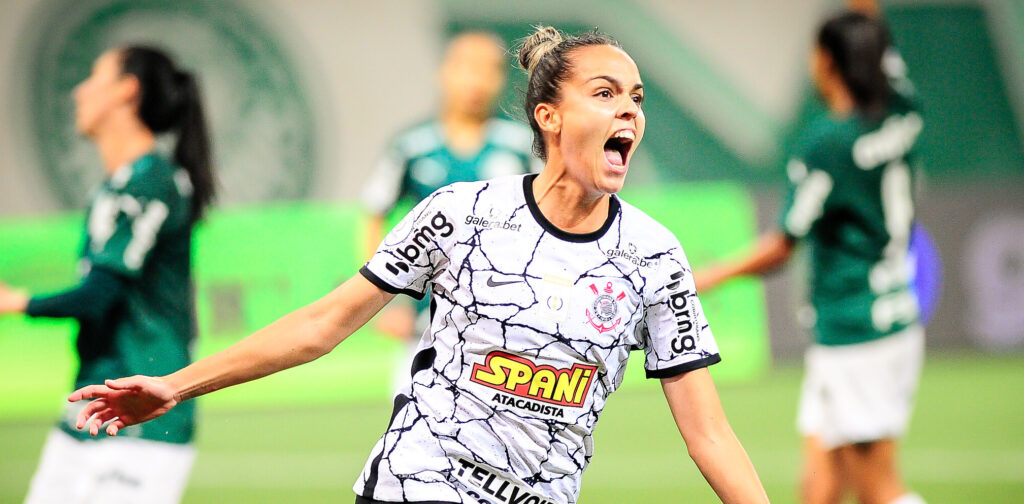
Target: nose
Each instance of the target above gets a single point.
(629, 110)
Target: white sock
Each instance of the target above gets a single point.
(909, 498)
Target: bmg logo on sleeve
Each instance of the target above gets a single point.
(416, 243)
(685, 314)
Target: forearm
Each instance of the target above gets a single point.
(297, 338)
(770, 252)
(726, 466)
(99, 291)
(709, 438)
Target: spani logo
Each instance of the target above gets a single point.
(411, 250)
(521, 377)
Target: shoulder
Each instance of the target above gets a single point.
(511, 135)
(468, 193)
(417, 140)
(463, 194)
(151, 176)
(826, 142)
(821, 131)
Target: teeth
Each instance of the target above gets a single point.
(626, 134)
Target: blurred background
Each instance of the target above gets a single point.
(303, 97)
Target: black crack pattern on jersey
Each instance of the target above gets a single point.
(471, 317)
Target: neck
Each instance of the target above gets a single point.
(122, 143)
(565, 202)
(464, 132)
(839, 100)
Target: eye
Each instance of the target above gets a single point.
(638, 99)
(604, 93)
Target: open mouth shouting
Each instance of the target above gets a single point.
(617, 149)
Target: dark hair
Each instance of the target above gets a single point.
(857, 44)
(169, 101)
(545, 57)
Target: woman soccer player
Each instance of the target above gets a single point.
(851, 201)
(541, 286)
(134, 304)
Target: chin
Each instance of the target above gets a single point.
(82, 128)
(611, 184)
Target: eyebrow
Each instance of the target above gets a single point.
(615, 82)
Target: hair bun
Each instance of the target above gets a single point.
(536, 46)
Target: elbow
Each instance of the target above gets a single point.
(321, 338)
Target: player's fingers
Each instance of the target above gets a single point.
(88, 392)
(88, 411)
(94, 426)
(114, 426)
(97, 421)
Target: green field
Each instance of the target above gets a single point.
(966, 443)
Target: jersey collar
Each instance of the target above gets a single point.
(531, 202)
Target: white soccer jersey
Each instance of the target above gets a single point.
(530, 331)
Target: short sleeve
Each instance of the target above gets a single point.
(124, 225)
(416, 249)
(674, 333)
(384, 188)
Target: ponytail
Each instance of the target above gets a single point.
(169, 100)
(192, 152)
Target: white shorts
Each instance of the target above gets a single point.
(861, 392)
(110, 471)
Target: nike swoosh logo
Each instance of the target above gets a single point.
(492, 283)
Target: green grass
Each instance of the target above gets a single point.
(966, 443)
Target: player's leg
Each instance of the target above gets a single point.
(63, 475)
(872, 387)
(138, 470)
(872, 471)
(821, 480)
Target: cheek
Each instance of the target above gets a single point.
(641, 126)
(582, 131)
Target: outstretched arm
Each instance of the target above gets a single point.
(12, 300)
(710, 440)
(770, 252)
(294, 339)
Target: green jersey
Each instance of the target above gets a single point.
(419, 162)
(851, 201)
(139, 227)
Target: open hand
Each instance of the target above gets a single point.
(123, 402)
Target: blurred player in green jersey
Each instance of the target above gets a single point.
(851, 202)
(134, 304)
(466, 142)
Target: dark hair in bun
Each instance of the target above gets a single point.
(544, 56)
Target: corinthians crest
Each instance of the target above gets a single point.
(605, 308)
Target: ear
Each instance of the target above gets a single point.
(548, 118)
(129, 89)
